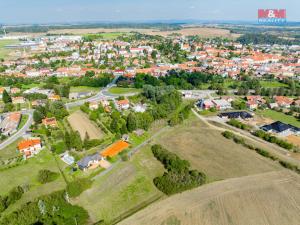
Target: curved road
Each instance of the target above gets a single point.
(20, 132)
(103, 93)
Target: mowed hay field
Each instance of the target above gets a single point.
(81, 123)
(208, 151)
(268, 198)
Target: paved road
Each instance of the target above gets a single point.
(103, 93)
(20, 132)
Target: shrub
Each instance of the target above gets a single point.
(75, 188)
(228, 134)
(46, 176)
(272, 139)
(178, 177)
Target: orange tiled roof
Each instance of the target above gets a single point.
(49, 121)
(28, 143)
(115, 149)
(123, 102)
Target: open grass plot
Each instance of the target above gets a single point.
(81, 123)
(208, 151)
(4, 52)
(125, 189)
(274, 115)
(119, 90)
(26, 174)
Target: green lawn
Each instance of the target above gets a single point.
(23, 121)
(272, 84)
(279, 116)
(123, 190)
(32, 85)
(84, 89)
(118, 90)
(107, 36)
(4, 53)
(10, 151)
(26, 174)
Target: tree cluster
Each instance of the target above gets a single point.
(49, 209)
(178, 177)
(272, 139)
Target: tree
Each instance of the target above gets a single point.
(37, 116)
(6, 97)
(46, 176)
(131, 122)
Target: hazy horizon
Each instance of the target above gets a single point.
(72, 11)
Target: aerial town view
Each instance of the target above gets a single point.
(182, 112)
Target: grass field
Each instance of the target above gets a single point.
(272, 84)
(81, 123)
(4, 53)
(209, 152)
(23, 121)
(268, 198)
(127, 187)
(279, 116)
(84, 89)
(10, 151)
(247, 188)
(26, 174)
(118, 90)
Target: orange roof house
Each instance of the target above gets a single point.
(50, 122)
(25, 144)
(54, 97)
(115, 149)
(30, 147)
(123, 104)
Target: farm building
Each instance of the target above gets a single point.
(115, 149)
(281, 129)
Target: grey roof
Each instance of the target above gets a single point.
(280, 127)
(84, 162)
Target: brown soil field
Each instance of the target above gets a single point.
(208, 151)
(81, 123)
(268, 198)
(293, 139)
(259, 121)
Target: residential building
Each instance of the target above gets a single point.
(281, 129)
(49, 122)
(89, 161)
(18, 100)
(123, 104)
(30, 147)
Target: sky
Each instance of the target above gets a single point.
(66, 11)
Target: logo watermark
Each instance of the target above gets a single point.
(272, 16)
